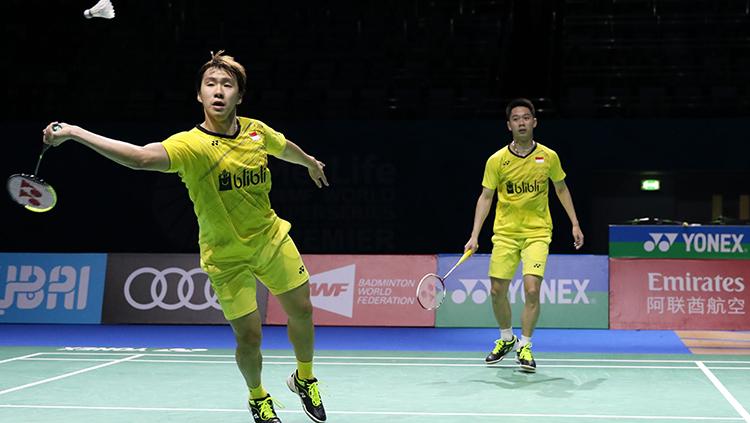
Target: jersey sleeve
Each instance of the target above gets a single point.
(491, 176)
(275, 141)
(179, 152)
(556, 172)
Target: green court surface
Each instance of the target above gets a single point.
(67, 385)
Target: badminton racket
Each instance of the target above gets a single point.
(31, 191)
(431, 288)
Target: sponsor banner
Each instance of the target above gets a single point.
(162, 288)
(679, 294)
(674, 241)
(574, 293)
(364, 290)
(51, 288)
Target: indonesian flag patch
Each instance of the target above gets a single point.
(254, 136)
(539, 159)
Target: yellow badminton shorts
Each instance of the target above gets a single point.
(508, 251)
(235, 287)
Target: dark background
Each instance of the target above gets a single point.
(403, 100)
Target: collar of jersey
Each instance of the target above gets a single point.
(536, 144)
(216, 134)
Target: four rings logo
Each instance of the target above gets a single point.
(181, 283)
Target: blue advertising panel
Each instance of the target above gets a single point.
(51, 288)
(574, 293)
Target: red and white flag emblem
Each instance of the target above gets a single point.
(254, 136)
(539, 159)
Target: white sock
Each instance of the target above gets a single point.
(506, 334)
(524, 340)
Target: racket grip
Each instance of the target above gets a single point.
(466, 255)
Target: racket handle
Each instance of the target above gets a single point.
(465, 257)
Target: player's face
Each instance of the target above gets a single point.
(522, 123)
(219, 93)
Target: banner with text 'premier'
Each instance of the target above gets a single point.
(51, 288)
(675, 241)
(574, 293)
(363, 290)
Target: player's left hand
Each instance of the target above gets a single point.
(577, 237)
(317, 174)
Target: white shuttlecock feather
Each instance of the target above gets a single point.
(102, 9)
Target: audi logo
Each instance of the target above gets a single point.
(159, 287)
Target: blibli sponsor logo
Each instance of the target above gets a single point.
(522, 187)
(245, 178)
(728, 243)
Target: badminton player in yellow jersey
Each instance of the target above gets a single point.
(520, 173)
(224, 164)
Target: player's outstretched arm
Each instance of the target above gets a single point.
(484, 203)
(561, 189)
(149, 157)
(293, 154)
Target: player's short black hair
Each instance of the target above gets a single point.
(519, 102)
(228, 64)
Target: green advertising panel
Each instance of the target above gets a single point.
(679, 242)
(574, 293)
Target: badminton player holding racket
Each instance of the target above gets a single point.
(520, 173)
(224, 164)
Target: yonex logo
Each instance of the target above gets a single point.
(696, 242)
(215, 142)
(662, 241)
(477, 289)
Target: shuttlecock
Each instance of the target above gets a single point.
(102, 9)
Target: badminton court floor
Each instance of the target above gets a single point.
(128, 382)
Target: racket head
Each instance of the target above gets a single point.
(31, 192)
(431, 291)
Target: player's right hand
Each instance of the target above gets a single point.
(472, 244)
(56, 133)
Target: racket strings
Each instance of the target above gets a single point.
(431, 292)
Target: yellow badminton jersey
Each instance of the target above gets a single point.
(522, 185)
(228, 180)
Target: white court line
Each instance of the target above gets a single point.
(77, 372)
(724, 391)
(23, 357)
(364, 363)
(332, 357)
(386, 413)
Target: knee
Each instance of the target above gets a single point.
(302, 310)
(532, 295)
(248, 339)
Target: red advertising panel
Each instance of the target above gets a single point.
(363, 290)
(679, 294)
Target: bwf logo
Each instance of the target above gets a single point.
(662, 241)
(333, 290)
